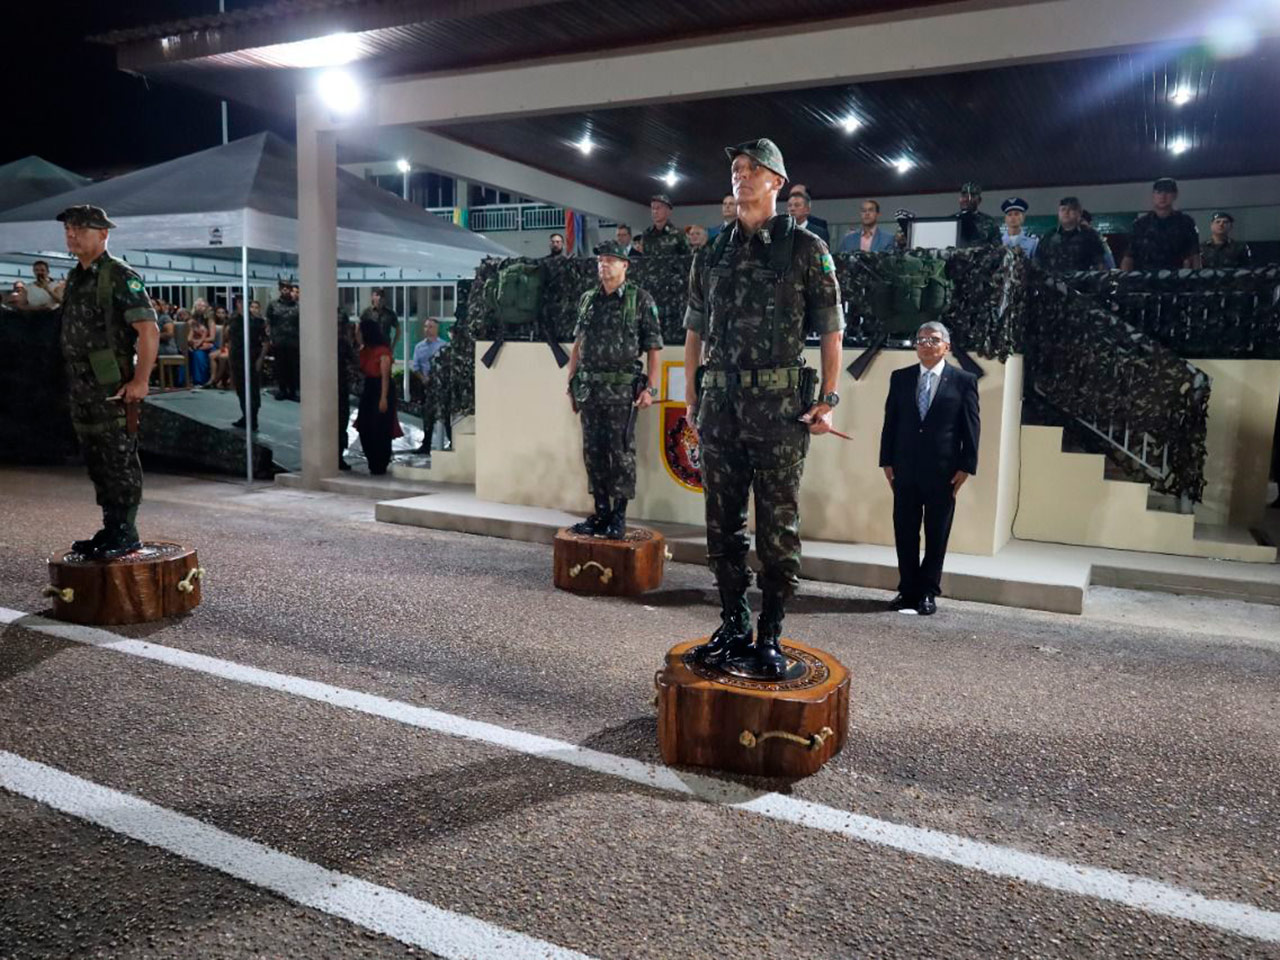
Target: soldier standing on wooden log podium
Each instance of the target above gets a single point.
(753, 295)
(617, 322)
(106, 317)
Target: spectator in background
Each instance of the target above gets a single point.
(663, 236)
(698, 236)
(1220, 252)
(1109, 258)
(728, 214)
(623, 236)
(556, 243)
(43, 293)
(16, 298)
(1163, 238)
(637, 244)
(284, 332)
(976, 228)
(384, 316)
(1069, 246)
(798, 207)
(871, 238)
(812, 223)
(424, 354)
(199, 348)
(220, 373)
(257, 344)
(168, 346)
(1012, 234)
(376, 419)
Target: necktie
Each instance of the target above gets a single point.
(922, 395)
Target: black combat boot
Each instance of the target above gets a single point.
(121, 534)
(87, 548)
(615, 525)
(596, 522)
(765, 660)
(733, 636)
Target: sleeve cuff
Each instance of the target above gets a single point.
(139, 315)
(695, 320)
(828, 320)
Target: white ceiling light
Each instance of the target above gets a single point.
(334, 50)
(1231, 36)
(850, 123)
(670, 179)
(903, 165)
(1180, 96)
(1179, 145)
(585, 145)
(339, 91)
(403, 165)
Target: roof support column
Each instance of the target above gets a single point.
(318, 276)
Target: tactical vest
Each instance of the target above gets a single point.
(112, 364)
(630, 292)
(782, 243)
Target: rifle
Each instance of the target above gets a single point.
(863, 360)
(638, 386)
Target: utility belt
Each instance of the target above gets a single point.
(621, 379)
(764, 380)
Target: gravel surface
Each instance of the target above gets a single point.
(1141, 737)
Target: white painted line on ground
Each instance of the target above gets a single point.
(1139, 893)
(377, 908)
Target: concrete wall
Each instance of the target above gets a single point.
(529, 451)
(1242, 415)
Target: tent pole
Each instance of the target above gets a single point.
(250, 420)
(404, 337)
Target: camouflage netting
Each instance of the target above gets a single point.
(36, 425)
(1094, 367)
(1196, 313)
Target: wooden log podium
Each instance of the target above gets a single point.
(620, 568)
(708, 717)
(159, 580)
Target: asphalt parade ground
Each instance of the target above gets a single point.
(384, 741)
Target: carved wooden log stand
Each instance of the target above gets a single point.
(621, 568)
(159, 580)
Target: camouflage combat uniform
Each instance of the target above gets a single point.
(235, 341)
(1163, 243)
(386, 319)
(1231, 254)
(283, 318)
(976, 230)
(603, 386)
(670, 239)
(749, 435)
(1066, 250)
(99, 307)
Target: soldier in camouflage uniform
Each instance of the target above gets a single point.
(106, 318)
(1070, 245)
(1221, 252)
(617, 322)
(753, 296)
(251, 399)
(283, 326)
(976, 228)
(384, 316)
(1163, 238)
(663, 236)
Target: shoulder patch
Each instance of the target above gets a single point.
(135, 284)
(828, 264)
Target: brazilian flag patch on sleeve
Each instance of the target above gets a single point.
(134, 285)
(828, 265)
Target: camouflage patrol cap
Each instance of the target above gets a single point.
(612, 248)
(86, 215)
(1070, 202)
(662, 198)
(1222, 215)
(1165, 185)
(972, 188)
(763, 151)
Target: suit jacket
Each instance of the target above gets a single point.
(881, 240)
(946, 441)
(819, 226)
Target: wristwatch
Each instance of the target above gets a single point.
(830, 399)
(653, 392)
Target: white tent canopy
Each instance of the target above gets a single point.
(245, 194)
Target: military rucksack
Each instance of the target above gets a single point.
(519, 293)
(910, 289)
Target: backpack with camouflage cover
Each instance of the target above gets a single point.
(911, 289)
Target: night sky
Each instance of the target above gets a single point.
(70, 105)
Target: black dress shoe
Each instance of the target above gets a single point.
(928, 606)
(902, 602)
(239, 423)
(343, 465)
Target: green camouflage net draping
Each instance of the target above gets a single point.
(1196, 313)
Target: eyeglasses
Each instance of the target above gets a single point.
(929, 341)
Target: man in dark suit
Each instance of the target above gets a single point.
(928, 449)
(798, 205)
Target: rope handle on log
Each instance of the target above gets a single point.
(813, 742)
(666, 553)
(606, 573)
(66, 594)
(186, 584)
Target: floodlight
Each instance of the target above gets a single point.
(586, 146)
(670, 179)
(903, 165)
(403, 165)
(339, 91)
(1179, 145)
(1181, 96)
(850, 123)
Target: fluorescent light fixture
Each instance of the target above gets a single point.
(903, 165)
(586, 146)
(339, 91)
(850, 123)
(1181, 96)
(1179, 145)
(334, 50)
(403, 165)
(670, 179)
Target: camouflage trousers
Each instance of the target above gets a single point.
(109, 451)
(732, 470)
(609, 455)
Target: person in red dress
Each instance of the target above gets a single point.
(376, 421)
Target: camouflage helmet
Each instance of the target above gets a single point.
(763, 151)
